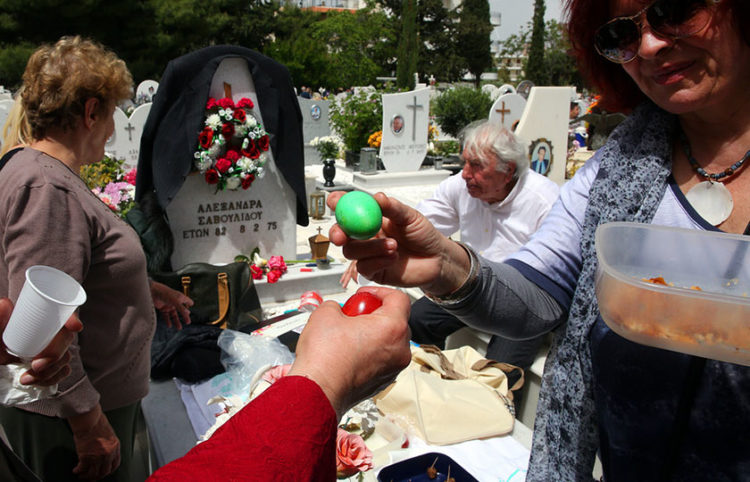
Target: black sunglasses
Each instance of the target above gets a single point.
(619, 39)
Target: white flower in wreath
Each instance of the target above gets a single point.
(213, 121)
(250, 122)
(233, 182)
(246, 164)
(216, 148)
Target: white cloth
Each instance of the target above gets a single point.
(496, 230)
(554, 250)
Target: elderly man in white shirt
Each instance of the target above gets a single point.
(496, 204)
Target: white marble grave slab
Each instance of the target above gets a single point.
(545, 123)
(214, 227)
(405, 120)
(314, 124)
(146, 91)
(125, 142)
(507, 110)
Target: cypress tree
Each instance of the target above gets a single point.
(535, 67)
(407, 48)
(474, 37)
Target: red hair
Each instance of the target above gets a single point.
(619, 93)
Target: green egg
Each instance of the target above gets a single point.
(359, 215)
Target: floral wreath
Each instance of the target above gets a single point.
(232, 145)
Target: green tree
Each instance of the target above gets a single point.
(458, 107)
(407, 47)
(474, 37)
(535, 68)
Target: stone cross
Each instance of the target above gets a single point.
(414, 108)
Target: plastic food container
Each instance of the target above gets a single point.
(713, 322)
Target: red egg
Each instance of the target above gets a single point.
(362, 303)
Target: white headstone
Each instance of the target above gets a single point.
(125, 142)
(507, 110)
(146, 91)
(314, 124)
(405, 120)
(214, 227)
(545, 123)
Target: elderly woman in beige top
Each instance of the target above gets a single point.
(48, 216)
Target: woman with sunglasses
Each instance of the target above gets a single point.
(681, 70)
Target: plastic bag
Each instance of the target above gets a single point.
(246, 357)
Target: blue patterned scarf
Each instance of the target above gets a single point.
(635, 165)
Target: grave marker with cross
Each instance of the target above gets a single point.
(398, 152)
(507, 110)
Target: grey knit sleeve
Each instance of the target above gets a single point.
(504, 302)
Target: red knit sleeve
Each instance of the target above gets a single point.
(288, 433)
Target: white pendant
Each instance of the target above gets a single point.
(712, 201)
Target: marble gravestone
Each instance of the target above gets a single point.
(314, 124)
(405, 121)
(507, 110)
(125, 142)
(146, 91)
(214, 227)
(545, 123)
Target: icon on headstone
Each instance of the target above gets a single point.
(397, 124)
(540, 155)
(315, 112)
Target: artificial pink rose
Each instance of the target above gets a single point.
(226, 103)
(223, 164)
(206, 137)
(239, 115)
(256, 271)
(130, 176)
(277, 372)
(247, 181)
(211, 104)
(212, 177)
(352, 455)
(232, 155)
(263, 143)
(245, 103)
(277, 262)
(227, 130)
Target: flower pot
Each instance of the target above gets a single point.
(329, 171)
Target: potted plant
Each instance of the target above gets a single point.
(355, 118)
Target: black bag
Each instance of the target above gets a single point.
(224, 296)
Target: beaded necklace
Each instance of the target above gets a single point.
(697, 168)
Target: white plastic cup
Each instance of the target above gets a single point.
(48, 298)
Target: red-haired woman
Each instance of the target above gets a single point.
(681, 68)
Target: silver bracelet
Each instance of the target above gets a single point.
(468, 285)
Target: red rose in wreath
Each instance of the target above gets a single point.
(227, 130)
(226, 103)
(245, 103)
(223, 164)
(206, 137)
(239, 114)
(247, 181)
(211, 104)
(252, 151)
(232, 155)
(263, 143)
(212, 177)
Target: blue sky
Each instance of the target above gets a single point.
(516, 13)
